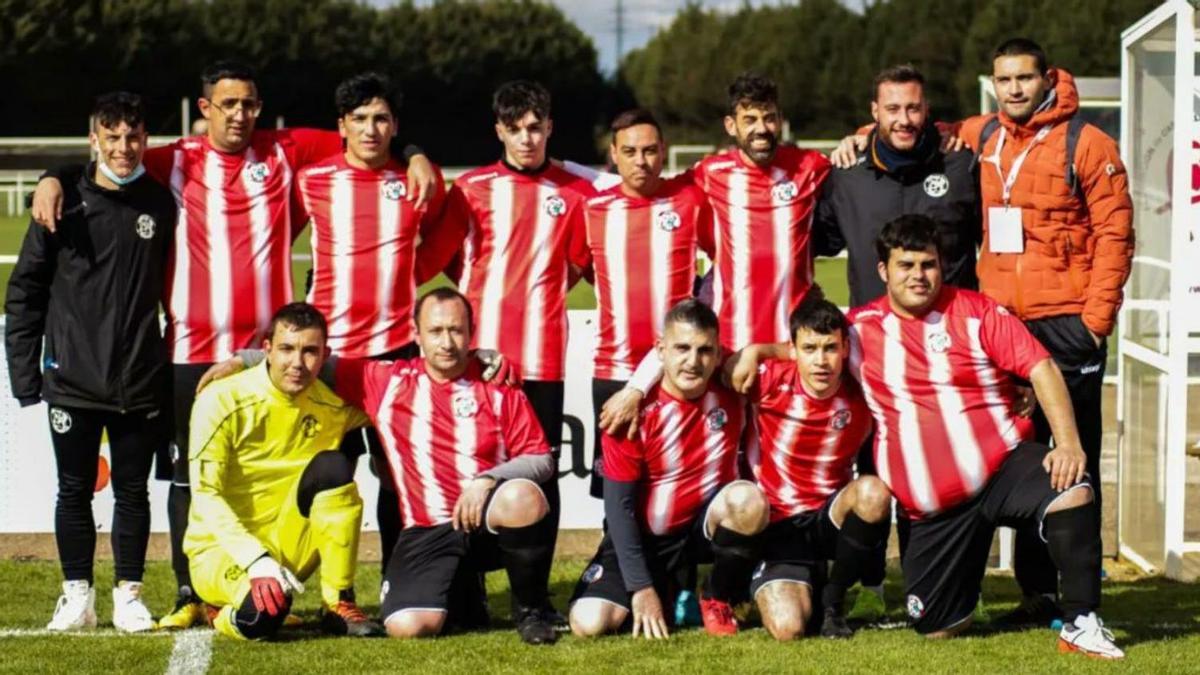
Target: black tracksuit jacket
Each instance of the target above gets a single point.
(92, 291)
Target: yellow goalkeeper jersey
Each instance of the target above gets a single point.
(249, 443)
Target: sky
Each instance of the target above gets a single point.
(642, 18)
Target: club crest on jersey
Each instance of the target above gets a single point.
(593, 573)
(916, 608)
(258, 171)
(717, 419)
(465, 405)
(841, 419)
(60, 420)
(145, 226)
(937, 185)
(667, 221)
(393, 189)
(785, 191)
(938, 343)
(554, 206)
(309, 426)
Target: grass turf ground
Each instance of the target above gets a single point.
(831, 274)
(1156, 621)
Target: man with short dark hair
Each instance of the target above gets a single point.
(230, 267)
(642, 237)
(957, 459)
(518, 219)
(272, 498)
(88, 294)
(904, 170)
(672, 497)
(371, 247)
(811, 423)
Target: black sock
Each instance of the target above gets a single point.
(734, 558)
(857, 547)
(525, 552)
(179, 500)
(1074, 543)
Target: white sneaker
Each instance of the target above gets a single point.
(1087, 635)
(76, 608)
(129, 614)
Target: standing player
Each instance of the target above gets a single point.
(811, 424)
(231, 265)
(641, 243)
(517, 219)
(371, 248)
(934, 363)
(272, 501)
(89, 294)
(672, 496)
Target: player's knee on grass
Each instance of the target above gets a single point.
(256, 625)
(325, 471)
(415, 624)
(873, 500)
(516, 504)
(1079, 495)
(786, 608)
(591, 617)
(740, 507)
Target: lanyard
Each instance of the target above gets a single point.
(1011, 179)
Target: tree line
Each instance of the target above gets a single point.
(55, 55)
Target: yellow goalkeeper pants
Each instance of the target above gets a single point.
(327, 537)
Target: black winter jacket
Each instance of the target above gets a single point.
(92, 290)
(857, 202)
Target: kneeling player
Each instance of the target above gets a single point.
(811, 422)
(270, 501)
(671, 495)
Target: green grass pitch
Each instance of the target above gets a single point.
(1156, 622)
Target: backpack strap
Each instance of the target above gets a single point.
(1074, 128)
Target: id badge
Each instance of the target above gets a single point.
(1005, 232)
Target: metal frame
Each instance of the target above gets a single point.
(1174, 363)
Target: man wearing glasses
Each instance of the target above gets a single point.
(230, 268)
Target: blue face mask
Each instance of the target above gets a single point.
(121, 182)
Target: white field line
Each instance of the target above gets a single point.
(192, 652)
(104, 633)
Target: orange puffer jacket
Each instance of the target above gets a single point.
(1078, 246)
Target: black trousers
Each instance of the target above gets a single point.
(133, 440)
(546, 397)
(179, 499)
(602, 390)
(1082, 364)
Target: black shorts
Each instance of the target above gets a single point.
(669, 558)
(798, 548)
(430, 565)
(947, 554)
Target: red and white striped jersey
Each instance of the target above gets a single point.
(230, 268)
(806, 446)
(939, 389)
(517, 229)
(644, 255)
(761, 224)
(685, 451)
(369, 253)
(438, 436)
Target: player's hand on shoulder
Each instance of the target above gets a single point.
(620, 413)
(648, 617)
(845, 155)
(1025, 403)
(218, 371)
(468, 514)
(422, 180)
(46, 209)
(498, 369)
(952, 142)
(1066, 465)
